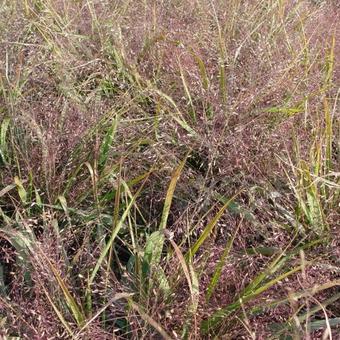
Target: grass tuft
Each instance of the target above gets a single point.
(169, 169)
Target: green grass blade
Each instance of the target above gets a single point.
(208, 229)
(107, 143)
(148, 319)
(115, 232)
(3, 145)
(21, 190)
(213, 321)
(220, 265)
(71, 302)
(170, 194)
(202, 70)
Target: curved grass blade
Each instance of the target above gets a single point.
(7, 189)
(21, 190)
(59, 314)
(154, 246)
(187, 92)
(148, 319)
(115, 298)
(208, 229)
(202, 69)
(170, 193)
(115, 231)
(213, 321)
(178, 117)
(220, 265)
(70, 301)
(107, 143)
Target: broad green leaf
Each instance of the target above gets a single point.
(38, 199)
(152, 252)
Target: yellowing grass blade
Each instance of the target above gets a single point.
(187, 92)
(208, 229)
(63, 203)
(154, 245)
(221, 263)
(71, 302)
(21, 190)
(202, 69)
(178, 117)
(183, 265)
(214, 320)
(115, 232)
(150, 320)
(7, 189)
(59, 314)
(328, 135)
(170, 194)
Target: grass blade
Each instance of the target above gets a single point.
(150, 320)
(213, 321)
(59, 314)
(220, 265)
(208, 229)
(170, 194)
(107, 143)
(21, 190)
(71, 302)
(3, 145)
(115, 232)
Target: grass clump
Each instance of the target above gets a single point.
(169, 169)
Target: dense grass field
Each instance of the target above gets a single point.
(169, 169)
